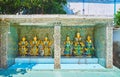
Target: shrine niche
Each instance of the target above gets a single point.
(77, 47)
(39, 43)
(78, 41)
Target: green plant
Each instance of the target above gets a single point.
(117, 19)
(32, 6)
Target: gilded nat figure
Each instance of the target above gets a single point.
(89, 47)
(67, 48)
(34, 47)
(23, 47)
(47, 46)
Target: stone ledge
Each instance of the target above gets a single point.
(51, 60)
(56, 16)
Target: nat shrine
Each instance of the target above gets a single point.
(55, 39)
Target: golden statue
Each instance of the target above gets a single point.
(67, 49)
(41, 51)
(82, 48)
(23, 46)
(89, 47)
(78, 37)
(78, 48)
(47, 46)
(34, 44)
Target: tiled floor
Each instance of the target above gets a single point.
(51, 66)
(26, 66)
(114, 72)
(67, 70)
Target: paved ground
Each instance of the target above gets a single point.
(114, 72)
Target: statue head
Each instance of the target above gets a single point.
(88, 37)
(35, 38)
(78, 35)
(67, 38)
(23, 38)
(46, 38)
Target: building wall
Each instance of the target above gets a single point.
(96, 7)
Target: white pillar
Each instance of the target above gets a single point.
(57, 49)
(109, 46)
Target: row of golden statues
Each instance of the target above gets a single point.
(37, 47)
(77, 47)
(44, 48)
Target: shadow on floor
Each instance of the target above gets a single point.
(10, 72)
(14, 70)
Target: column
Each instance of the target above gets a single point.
(3, 47)
(57, 49)
(109, 46)
(0, 46)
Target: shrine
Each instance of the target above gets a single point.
(55, 39)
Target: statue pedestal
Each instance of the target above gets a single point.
(49, 60)
(36, 60)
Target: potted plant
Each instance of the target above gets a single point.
(117, 19)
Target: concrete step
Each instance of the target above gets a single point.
(49, 60)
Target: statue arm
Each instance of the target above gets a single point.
(26, 43)
(31, 44)
(19, 43)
